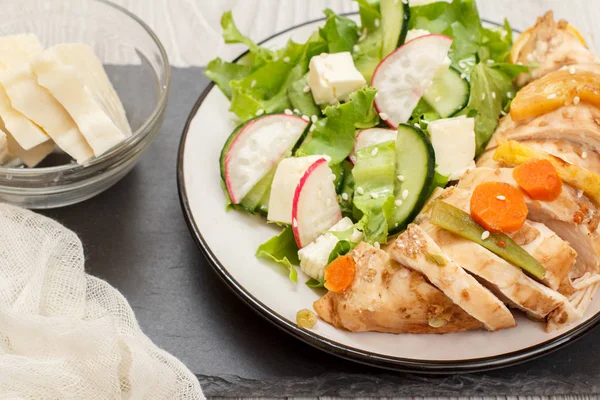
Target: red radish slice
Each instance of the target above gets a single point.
(287, 177)
(371, 137)
(257, 148)
(403, 76)
(316, 207)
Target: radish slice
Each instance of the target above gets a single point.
(371, 137)
(316, 207)
(256, 149)
(402, 77)
(287, 177)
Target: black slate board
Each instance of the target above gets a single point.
(135, 237)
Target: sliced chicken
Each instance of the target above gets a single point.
(572, 311)
(549, 45)
(417, 250)
(388, 297)
(504, 279)
(571, 216)
(573, 153)
(579, 124)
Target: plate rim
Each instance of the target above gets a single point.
(331, 346)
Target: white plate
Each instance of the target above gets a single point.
(230, 239)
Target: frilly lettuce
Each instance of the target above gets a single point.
(283, 250)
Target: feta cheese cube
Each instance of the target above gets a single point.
(332, 77)
(314, 257)
(453, 140)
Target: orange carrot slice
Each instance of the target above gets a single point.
(539, 179)
(339, 275)
(498, 207)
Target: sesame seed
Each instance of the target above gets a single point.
(374, 152)
(493, 95)
(398, 202)
(314, 118)
(312, 128)
(295, 222)
(584, 155)
(377, 245)
(374, 195)
(485, 235)
(286, 59)
(490, 61)
(332, 177)
(400, 178)
(328, 202)
(260, 112)
(519, 63)
(377, 23)
(551, 96)
(404, 1)
(355, 48)
(383, 115)
(417, 125)
(404, 194)
(296, 111)
(503, 113)
(360, 190)
(509, 95)
(305, 117)
(463, 75)
(288, 111)
(576, 100)
(500, 197)
(437, 99)
(253, 83)
(345, 196)
(572, 70)
(306, 89)
(483, 96)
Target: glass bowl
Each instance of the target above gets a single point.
(138, 67)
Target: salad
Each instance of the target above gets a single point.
(353, 111)
(361, 145)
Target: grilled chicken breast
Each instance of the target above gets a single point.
(550, 45)
(388, 297)
(417, 250)
(505, 280)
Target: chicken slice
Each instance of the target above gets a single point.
(388, 297)
(417, 250)
(572, 217)
(573, 153)
(572, 311)
(578, 124)
(508, 282)
(549, 45)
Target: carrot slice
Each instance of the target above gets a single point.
(498, 207)
(539, 179)
(339, 275)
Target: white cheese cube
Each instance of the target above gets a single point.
(453, 140)
(332, 77)
(287, 177)
(314, 257)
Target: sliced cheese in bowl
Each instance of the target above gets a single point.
(36, 103)
(84, 104)
(31, 157)
(15, 51)
(91, 72)
(5, 156)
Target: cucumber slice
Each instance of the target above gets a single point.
(394, 23)
(257, 199)
(448, 94)
(415, 169)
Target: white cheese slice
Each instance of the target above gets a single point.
(37, 104)
(31, 157)
(15, 51)
(66, 85)
(5, 156)
(91, 72)
(287, 176)
(332, 77)
(453, 140)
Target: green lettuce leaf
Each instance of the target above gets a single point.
(283, 250)
(347, 205)
(369, 12)
(232, 35)
(339, 32)
(341, 248)
(222, 73)
(335, 134)
(375, 175)
(367, 53)
(313, 283)
(489, 88)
